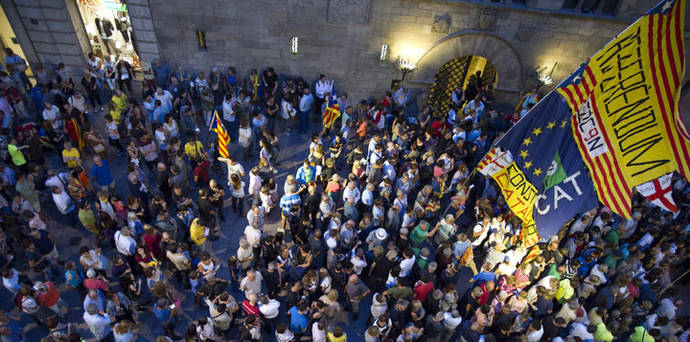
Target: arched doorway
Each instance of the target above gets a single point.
(466, 71)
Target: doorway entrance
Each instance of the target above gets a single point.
(9, 40)
(109, 30)
(470, 72)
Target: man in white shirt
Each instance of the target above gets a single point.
(62, 200)
(323, 87)
(253, 236)
(124, 242)
(407, 263)
(251, 283)
(535, 331)
(451, 320)
(351, 191)
(270, 309)
(52, 114)
(98, 322)
(305, 103)
(165, 97)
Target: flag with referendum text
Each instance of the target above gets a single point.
(539, 170)
(626, 121)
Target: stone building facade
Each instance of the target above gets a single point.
(341, 38)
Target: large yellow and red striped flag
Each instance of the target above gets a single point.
(223, 137)
(626, 120)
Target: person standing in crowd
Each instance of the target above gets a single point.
(391, 222)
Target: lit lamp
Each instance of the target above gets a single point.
(294, 46)
(405, 66)
(543, 78)
(384, 53)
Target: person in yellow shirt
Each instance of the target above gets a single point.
(118, 103)
(194, 150)
(337, 335)
(70, 155)
(198, 233)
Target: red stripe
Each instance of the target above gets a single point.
(579, 94)
(626, 199)
(653, 60)
(592, 79)
(669, 51)
(680, 43)
(571, 98)
(585, 84)
(590, 163)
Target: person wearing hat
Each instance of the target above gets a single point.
(98, 322)
(376, 238)
(48, 295)
(94, 281)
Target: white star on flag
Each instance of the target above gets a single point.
(667, 6)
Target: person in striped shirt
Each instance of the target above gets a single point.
(287, 202)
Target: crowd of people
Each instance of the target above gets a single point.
(383, 232)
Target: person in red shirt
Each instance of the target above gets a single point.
(49, 296)
(93, 282)
(423, 287)
(487, 287)
(250, 306)
(152, 240)
(201, 175)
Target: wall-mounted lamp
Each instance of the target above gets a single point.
(405, 66)
(542, 77)
(201, 39)
(384, 53)
(294, 46)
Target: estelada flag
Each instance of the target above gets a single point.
(223, 137)
(539, 170)
(626, 119)
(332, 111)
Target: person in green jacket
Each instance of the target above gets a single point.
(640, 334)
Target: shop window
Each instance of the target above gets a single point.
(109, 30)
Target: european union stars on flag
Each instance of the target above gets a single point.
(543, 148)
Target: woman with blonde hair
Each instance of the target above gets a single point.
(333, 308)
(124, 331)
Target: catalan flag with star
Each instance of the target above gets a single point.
(626, 119)
(539, 170)
(223, 137)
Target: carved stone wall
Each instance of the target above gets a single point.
(349, 11)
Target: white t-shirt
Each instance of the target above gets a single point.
(358, 265)
(113, 133)
(317, 335)
(94, 66)
(245, 134)
(228, 112)
(406, 266)
(52, 114)
(124, 243)
(62, 201)
(270, 310)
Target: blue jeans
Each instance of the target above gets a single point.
(304, 121)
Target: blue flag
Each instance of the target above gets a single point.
(542, 147)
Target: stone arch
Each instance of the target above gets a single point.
(467, 43)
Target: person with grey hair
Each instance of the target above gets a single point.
(251, 283)
(98, 322)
